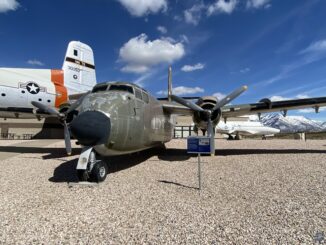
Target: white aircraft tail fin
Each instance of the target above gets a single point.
(79, 68)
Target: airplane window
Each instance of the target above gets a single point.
(75, 52)
(145, 97)
(23, 91)
(118, 87)
(100, 88)
(3, 94)
(138, 94)
(49, 101)
(40, 99)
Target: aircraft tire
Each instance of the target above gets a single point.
(99, 172)
(82, 175)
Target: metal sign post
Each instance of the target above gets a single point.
(199, 172)
(199, 145)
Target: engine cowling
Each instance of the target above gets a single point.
(201, 118)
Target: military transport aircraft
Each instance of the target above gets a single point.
(245, 128)
(54, 88)
(119, 118)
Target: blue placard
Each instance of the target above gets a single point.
(199, 144)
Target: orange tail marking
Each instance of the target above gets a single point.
(61, 91)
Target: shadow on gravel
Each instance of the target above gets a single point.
(65, 172)
(52, 152)
(177, 184)
(227, 152)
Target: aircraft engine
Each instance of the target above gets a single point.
(201, 118)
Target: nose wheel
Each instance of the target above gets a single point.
(94, 171)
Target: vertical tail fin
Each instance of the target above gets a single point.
(170, 84)
(79, 68)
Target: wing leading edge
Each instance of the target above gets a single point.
(266, 106)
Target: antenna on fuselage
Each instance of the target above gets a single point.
(170, 83)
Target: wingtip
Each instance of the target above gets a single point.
(245, 87)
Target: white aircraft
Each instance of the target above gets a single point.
(54, 88)
(246, 128)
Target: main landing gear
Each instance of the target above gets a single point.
(89, 168)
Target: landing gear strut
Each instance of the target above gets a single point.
(89, 168)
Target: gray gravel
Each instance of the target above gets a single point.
(254, 192)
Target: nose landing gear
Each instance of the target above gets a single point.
(89, 168)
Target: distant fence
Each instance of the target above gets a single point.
(11, 136)
(183, 131)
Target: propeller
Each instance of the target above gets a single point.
(227, 99)
(219, 104)
(62, 117)
(187, 103)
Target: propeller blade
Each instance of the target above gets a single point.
(230, 97)
(77, 103)
(187, 103)
(45, 108)
(67, 138)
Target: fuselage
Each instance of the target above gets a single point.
(135, 119)
(245, 128)
(19, 87)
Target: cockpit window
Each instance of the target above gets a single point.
(100, 88)
(117, 87)
(138, 93)
(145, 97)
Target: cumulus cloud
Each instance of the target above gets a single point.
(318, 46)
(140, 8)
(8, 5)
(162, 29)
(193, 15)
(281, 98)
(219, 95)
(222, 6)
(189, 68)
(245, 70)
(140, 54)
(256, 4)
(35, 62)
(181, 90)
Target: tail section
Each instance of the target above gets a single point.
(79, 68)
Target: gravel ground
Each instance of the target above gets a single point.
(254, 192)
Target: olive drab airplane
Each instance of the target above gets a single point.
(119, 118)
(54, 88)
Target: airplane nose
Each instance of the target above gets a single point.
(91, 128)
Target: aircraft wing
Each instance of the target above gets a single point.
(266, 105)
(76, 96)
(173, 108)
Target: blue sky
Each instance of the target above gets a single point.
(277, 48)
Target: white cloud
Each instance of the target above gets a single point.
(140, 8)
(193, 15)
(258, 4)
(189, 68)
(162, 29)
(35, 62)
(278, 98)
(318, 46)
(222, 6)
(245, 70)
(8, 5)
(140, 53)
(219, 95)
(181, 90)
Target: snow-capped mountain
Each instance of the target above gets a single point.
(291, 124)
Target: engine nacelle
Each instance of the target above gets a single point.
(200, 118)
